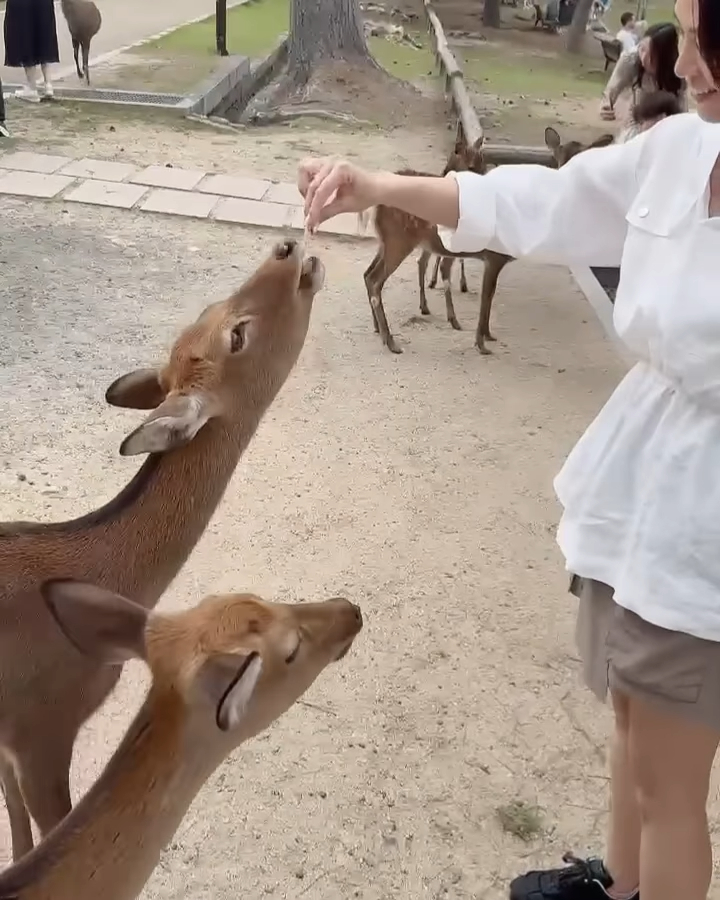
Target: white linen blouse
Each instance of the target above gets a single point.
(641, 489)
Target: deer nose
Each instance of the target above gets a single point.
(285, 249)
(358, 614)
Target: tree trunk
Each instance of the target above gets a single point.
(578, 26)
(323, 35)
(491, 14)
(323, 30)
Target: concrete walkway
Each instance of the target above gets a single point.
(125, 22)
(161, 189)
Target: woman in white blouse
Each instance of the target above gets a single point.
(640, 529)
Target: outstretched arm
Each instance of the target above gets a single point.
(572, 215)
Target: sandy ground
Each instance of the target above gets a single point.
(418, 485)
(158, 138)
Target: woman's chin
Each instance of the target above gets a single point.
(708, 106)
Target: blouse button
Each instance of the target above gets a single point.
(643, 212)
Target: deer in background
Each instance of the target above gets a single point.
(221, 673)
(400, 233)
(207, 401)
(83, 20)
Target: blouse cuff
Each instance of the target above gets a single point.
(477, 214)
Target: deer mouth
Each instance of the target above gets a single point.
(286, 249)
(312, 274)
(345, 650)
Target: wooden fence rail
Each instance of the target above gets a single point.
(467, 117)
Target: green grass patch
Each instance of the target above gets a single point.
(252, 30)
(404, 60)
(520, 819)
(658, 11)
(498, 69)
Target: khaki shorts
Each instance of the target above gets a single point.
(676, 672)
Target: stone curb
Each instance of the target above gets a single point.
(163, 189)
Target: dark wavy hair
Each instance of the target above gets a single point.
(655, 105)
(708, 30)
(664, 43)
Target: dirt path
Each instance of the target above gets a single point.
(420, 486)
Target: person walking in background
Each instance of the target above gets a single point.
(627, 35)
(648, 67)
(31, 42)
(640, 496)
(3, 127)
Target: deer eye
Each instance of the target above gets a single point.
(237, 337)
(293, 655)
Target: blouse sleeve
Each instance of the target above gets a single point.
(623, 76)
(569, 216)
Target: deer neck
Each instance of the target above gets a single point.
(145, 535)
(111, 842)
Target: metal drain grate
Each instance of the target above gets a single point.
(109, 95)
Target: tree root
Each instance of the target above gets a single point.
(288, 113)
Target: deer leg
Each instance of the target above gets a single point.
(423, 261)
(20, 828)
(445, 270)
(463, 279)
(86, 61)
(76, 54)
(45, 783)
(385, 263)
(433, 280)
(369, 274)
(494, 264)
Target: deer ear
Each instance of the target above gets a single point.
(229, 680)
(552, 138)
(100, 624)
(140, 389)
(173, 424)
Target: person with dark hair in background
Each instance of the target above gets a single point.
(31, 42)
(3, 127)
(649, 67)
(640, 527)
(627, 36)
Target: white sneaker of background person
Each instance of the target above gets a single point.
(30, 92)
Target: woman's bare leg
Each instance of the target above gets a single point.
(671, 760)
(623, 846)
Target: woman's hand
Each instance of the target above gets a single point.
(607, 113)
(333, 186)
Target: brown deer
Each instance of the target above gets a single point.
(221, 673)
(399, 234)
(207, 401)
(83, 20)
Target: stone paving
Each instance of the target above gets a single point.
(162, 189)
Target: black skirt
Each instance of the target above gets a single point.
(30, 33)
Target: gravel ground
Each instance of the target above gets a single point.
(419, 485)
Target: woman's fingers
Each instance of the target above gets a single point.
(307, 170)
(330, 187)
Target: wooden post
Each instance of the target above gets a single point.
(221, 27)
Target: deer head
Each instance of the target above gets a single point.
(466, 158)
(239, 350)
(234, 662)
(565, 152)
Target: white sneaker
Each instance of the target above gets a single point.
(29, 94)
(48, 90)
(4, 131)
